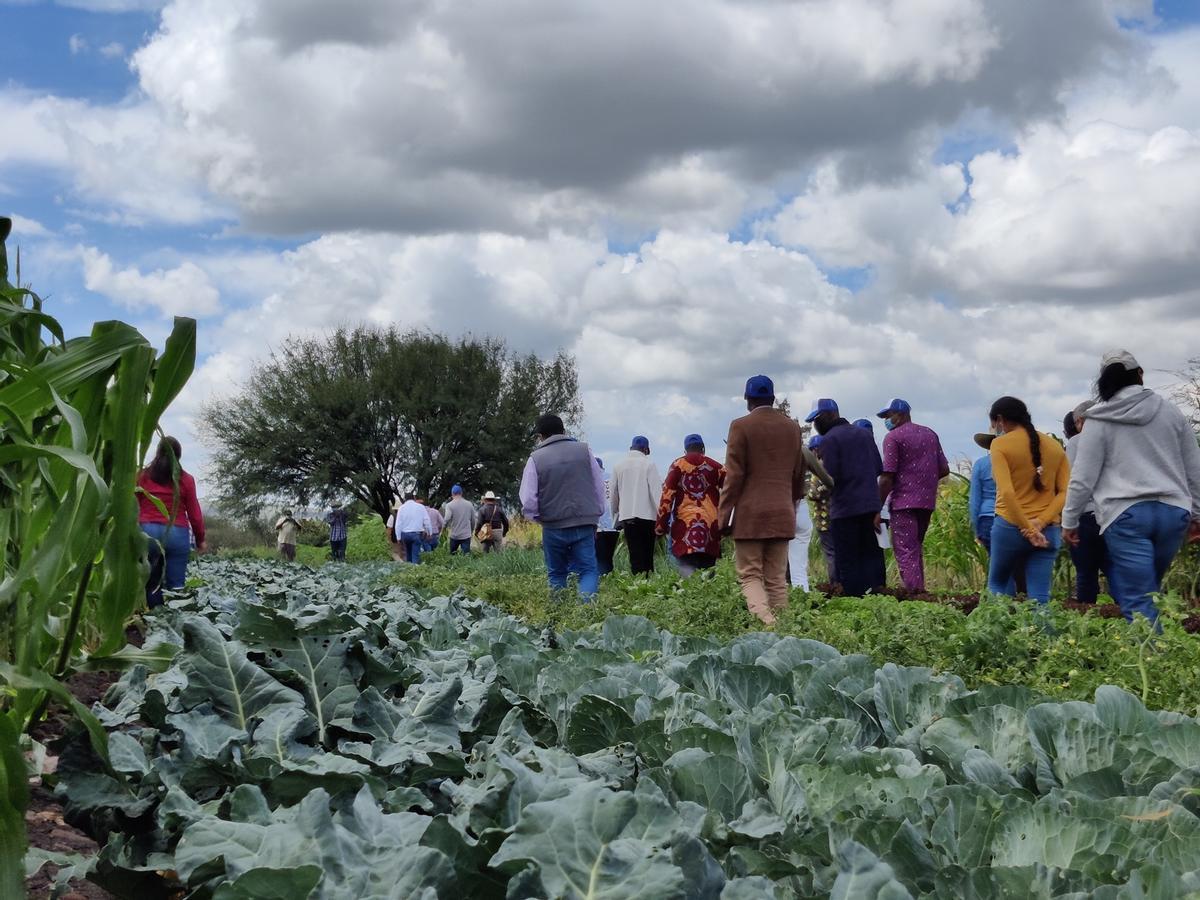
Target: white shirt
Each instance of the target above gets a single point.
(412, 517)
(636, 488)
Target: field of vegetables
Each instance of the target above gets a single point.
(331, 734)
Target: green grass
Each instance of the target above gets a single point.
(1054, 651)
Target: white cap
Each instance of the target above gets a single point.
(1124, 357)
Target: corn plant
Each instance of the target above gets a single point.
(76, 419)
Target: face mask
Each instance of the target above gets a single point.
(889, 424)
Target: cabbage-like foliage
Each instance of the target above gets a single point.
(317, 735)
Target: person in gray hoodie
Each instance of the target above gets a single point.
(1139, 463)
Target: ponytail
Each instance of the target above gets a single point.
(1013, 410)
(1035, 450)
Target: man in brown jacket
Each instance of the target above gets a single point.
(764, 480)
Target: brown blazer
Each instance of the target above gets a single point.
(764, 476)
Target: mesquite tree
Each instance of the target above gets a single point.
(372, 413)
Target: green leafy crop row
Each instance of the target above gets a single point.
(1058, 653)
(320, 737)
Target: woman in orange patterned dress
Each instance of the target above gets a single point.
(688, 507)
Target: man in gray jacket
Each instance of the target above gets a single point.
(1138, 461)
(460, 521)
(562, 487)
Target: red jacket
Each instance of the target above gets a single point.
(187, 510)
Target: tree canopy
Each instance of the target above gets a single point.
(373, 413)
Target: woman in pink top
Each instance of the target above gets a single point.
(165, 481)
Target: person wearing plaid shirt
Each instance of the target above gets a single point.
(337, 518)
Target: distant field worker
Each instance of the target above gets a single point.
(852, 460)
(819, 495)
(688, 507)
(165, 481)
(459, 517)
(607, 535)
(491, 524)
(635, 490)
(798, 548)
(1031, 473)
(562, 487)
(1139, 463)
(913, 464)
(764, 479)
(337, 519)
(287, 529)
(1089, 554)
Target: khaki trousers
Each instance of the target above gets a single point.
(762, 572)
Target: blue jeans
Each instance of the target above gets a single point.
(413, 541)
(1141, 543)
(171, 574)
(460, 545)
(1011, 551)
(571, 551)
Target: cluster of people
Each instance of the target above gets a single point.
(415, 528)
(1124, 494)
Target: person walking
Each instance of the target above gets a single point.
(337, 518)
(853, 462)
(1031, 474)
(562, 487)
(437, 524)
(687, 510)
(636, 488)
(764, 480)
(819, 494)
(491, 524)
(287, 529)
(165, 481)
(798, 547)
(412, 526)
(607, 535)
(1139, 463)
(459, 517)
(1089, 554)
(913, 465)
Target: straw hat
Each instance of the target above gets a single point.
(984, 439)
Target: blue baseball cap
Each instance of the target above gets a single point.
(640, 442)
(896, 406)
(692, 439)
(864, 423)
(760, 387)
(822, 406)
(814, 442)
(457, 489)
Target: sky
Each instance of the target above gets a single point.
(942, 200)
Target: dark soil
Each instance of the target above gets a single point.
(44, 818)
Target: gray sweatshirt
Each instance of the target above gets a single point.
(1135, 447)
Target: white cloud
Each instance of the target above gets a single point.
(184, 290)
(471, 115)
(122, 160)
(26, 228)
(77, 44)
(113, 50)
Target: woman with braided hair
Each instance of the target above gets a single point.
(1031, 474)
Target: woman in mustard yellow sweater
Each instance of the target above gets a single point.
(1031, 473)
